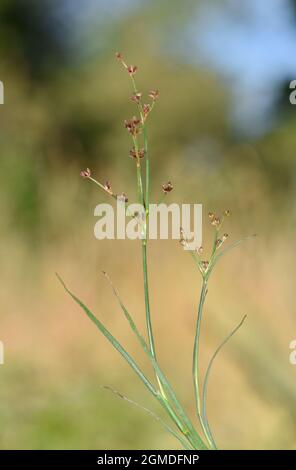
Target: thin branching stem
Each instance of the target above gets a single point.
(207, 375)
(144, 199)
(175, 410)
(163, 385)
(102, 187)
(195, 362)
(183, 428)
(181, 439)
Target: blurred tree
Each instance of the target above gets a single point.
(28, 30)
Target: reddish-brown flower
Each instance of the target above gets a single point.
(200, 251)
(216, 221)
(120, 58)
(167, 187)
(122, 197)
(154, 94)
(85, 173)
(132, 69)
(136, 97)
(218, 242)
(107, 186)
(133, 153)
(205, 265)
(132, 125)
(146, 109)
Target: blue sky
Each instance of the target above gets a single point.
(252, 47)
(249, 45)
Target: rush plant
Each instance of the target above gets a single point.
(178, 423)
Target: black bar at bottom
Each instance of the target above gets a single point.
(132, 459)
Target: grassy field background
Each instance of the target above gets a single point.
(59, 118)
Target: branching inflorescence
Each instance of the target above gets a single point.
(179, 424)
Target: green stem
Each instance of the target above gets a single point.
(144, 246)
(207, 374)
(145, 202)
(144, 256)
(189, 430)
(195, 364)
(102, 187)
(147, 170)
(195, 367)
(147, 300)
(194, 442)
(180, 438)
(175, 410)
(166, 405)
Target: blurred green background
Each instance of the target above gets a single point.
(223, 132)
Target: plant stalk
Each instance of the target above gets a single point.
(195, 366)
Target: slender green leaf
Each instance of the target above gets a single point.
(111, 339)
(229, 248)
(128, 316)
(151, 413)
(207, 374)
(159, 372)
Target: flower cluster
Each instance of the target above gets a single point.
(167, 187)
(132, 69)
(153, 94)
(221, 240)
(122, 197)
(140, 153)
(217, 221)
(85, 173)
(205, 266)
(184, 430)
(106, 186)
(183, 240)
(133, 126)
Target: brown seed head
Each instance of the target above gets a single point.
(107, 186)
(146, 109)
(120, 58)
(219, 242)
(136, 97)
(225, 236)
(132, 125)
(154, 94)
(227, 213)
(216, 221)
(182, 241)
(211, 216)
(132, 69)
(205, 265)
(200, 250)
(85, 173)
(133, 153)
(122, 197)
(167, 187)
